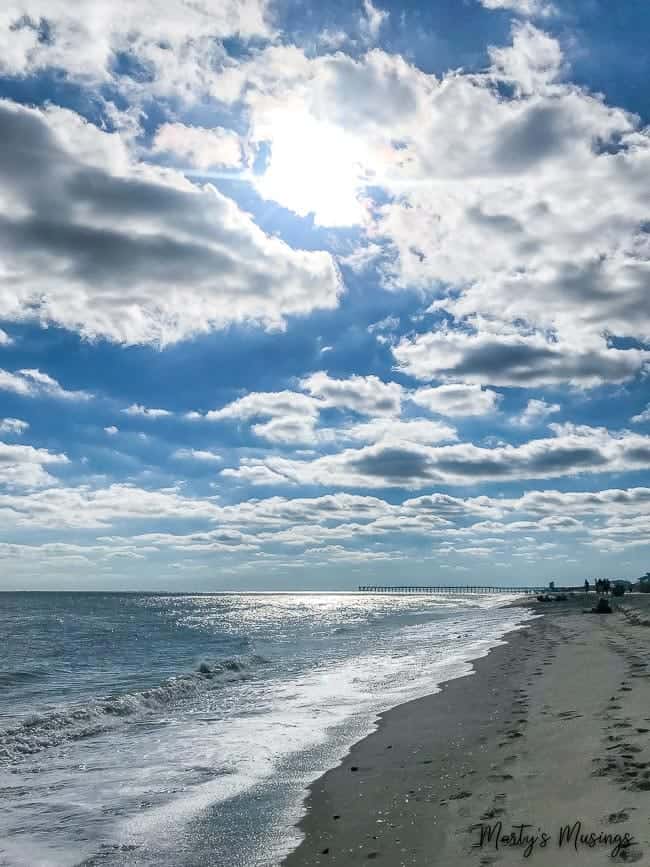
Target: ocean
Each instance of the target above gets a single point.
(182, 730)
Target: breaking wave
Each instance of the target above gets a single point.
(41, 731)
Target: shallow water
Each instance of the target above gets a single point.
(158, 729)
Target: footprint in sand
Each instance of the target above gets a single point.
(629, 856)
(459, 796)
(492, 813)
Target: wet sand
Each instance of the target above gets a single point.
(553, 728)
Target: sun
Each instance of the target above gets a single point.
(314, 168)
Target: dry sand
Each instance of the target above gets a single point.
(553, 728)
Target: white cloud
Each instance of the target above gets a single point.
(334, 553)
(531, 64)
(362, 257)
(13, 426)
(86, 507)
(506, 355)
(372, 20)
(15, 382)
(211, 541)
(388, 323)
(25, 466)
(457, 400)
(202, 148)
(111, 430)
(531, 230)
(366, 395)
(530, 525)
(571, 451)
(528, 8)
(174, 40)
(313, 113)
(35, 383)
(5, 339)
(80, 218)
(269, 403)
(642, 417)
(197, 455)
(137, 409)
(416, 430)
(536, 412)
(292, 416)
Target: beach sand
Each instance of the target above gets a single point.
(553, 728)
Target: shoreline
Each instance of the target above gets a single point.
(494, 746)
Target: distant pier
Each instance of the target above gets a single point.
(458, 588)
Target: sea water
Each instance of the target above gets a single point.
(157, 729)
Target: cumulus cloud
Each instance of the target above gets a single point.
(642, 417)
(457, 400)
(536, 412)
(362, 257)
(200, 147)
(609, 520)
(13, 426)
(607, 503)
(505, 355)
(530, 64)
(26, 466)
(111, 430)
(416, 430)
(174, 41)
(84, 506)
(211, 541)
(198, 455)
(292, 416)
(528, 8)
(533, 228)
(132, 253)
(573, 450)
(140, 411)
(35, 383)
(366, 395)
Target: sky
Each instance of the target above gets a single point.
(310, 295)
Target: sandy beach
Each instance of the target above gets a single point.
(542, 754)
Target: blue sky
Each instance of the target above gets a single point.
(311, 295)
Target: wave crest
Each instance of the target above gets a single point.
(41, 731)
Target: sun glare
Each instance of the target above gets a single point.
(314, 168)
